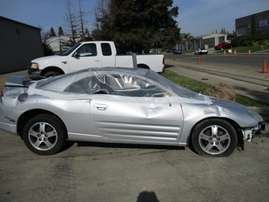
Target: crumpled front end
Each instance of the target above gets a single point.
(249, 133)
(249, 121)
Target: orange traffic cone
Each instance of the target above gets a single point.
(264, 68)
(199, 61)
(235, 52)
(249, 52)
(224, 53)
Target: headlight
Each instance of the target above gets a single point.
(34, 66)
(216, 110)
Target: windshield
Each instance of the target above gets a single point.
(70, 50)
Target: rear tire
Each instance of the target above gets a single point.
(214, 137)
(44, 134)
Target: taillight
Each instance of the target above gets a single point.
(163, 61)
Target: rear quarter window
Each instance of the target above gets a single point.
(106, 49)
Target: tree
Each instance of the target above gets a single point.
(52, 32)
(102, 13)
(60, 31)
(45, 35)
(138, 25)
(81, 21)
(187, 38)
(47, 49)
(71, 24)
(87, 37)
(223, 31)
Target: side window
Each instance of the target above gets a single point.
(106, 49)
(80, 86)
(129, 85)
(87, 50)
(117, 84)
(89, 85)
(138, 87)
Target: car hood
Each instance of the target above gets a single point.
(235, 108)
(49, 59)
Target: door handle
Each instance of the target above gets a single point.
(97, 61)
(64, 62)
(100, 107)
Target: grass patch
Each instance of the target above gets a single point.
(245, 49)
(188, 51)
(200, 87)
(240, 49)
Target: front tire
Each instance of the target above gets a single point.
(44, 134)
(51, 74)
(214, 137)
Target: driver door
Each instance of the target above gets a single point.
(85, 56)
(137, 120)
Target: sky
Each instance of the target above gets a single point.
(197, 17)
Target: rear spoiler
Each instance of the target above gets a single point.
(22, 80)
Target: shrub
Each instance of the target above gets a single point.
(264, 42)
(259, 37)
(247, 43)
(238, 41)
(256, 43)
(47, 49)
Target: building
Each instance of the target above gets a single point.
(248, 25)
(20, 43)
(251, 24)
(208, 41)
(205, 41)
(56, 43)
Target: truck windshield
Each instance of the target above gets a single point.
(70, 50)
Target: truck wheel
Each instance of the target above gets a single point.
(142, 66)
(44, 134)
(51, 74)
(214, 137)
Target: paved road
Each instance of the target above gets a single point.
(246, 80)
(241, 63)
(101, 172)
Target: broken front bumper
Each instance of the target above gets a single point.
(249, 133)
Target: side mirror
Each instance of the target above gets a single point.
(76, 55)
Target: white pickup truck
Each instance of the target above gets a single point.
(92, 54)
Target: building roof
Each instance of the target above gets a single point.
(1, 17)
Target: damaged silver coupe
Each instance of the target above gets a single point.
(121, 105)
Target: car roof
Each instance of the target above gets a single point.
(60, 82)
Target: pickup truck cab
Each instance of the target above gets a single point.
(91, 54)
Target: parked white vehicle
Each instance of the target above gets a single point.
(92, 54)
(201, 51)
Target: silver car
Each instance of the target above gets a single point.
(121, 105)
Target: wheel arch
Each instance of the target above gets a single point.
(25, 117)
(232, 122)
(144, 66)
(52, 68)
